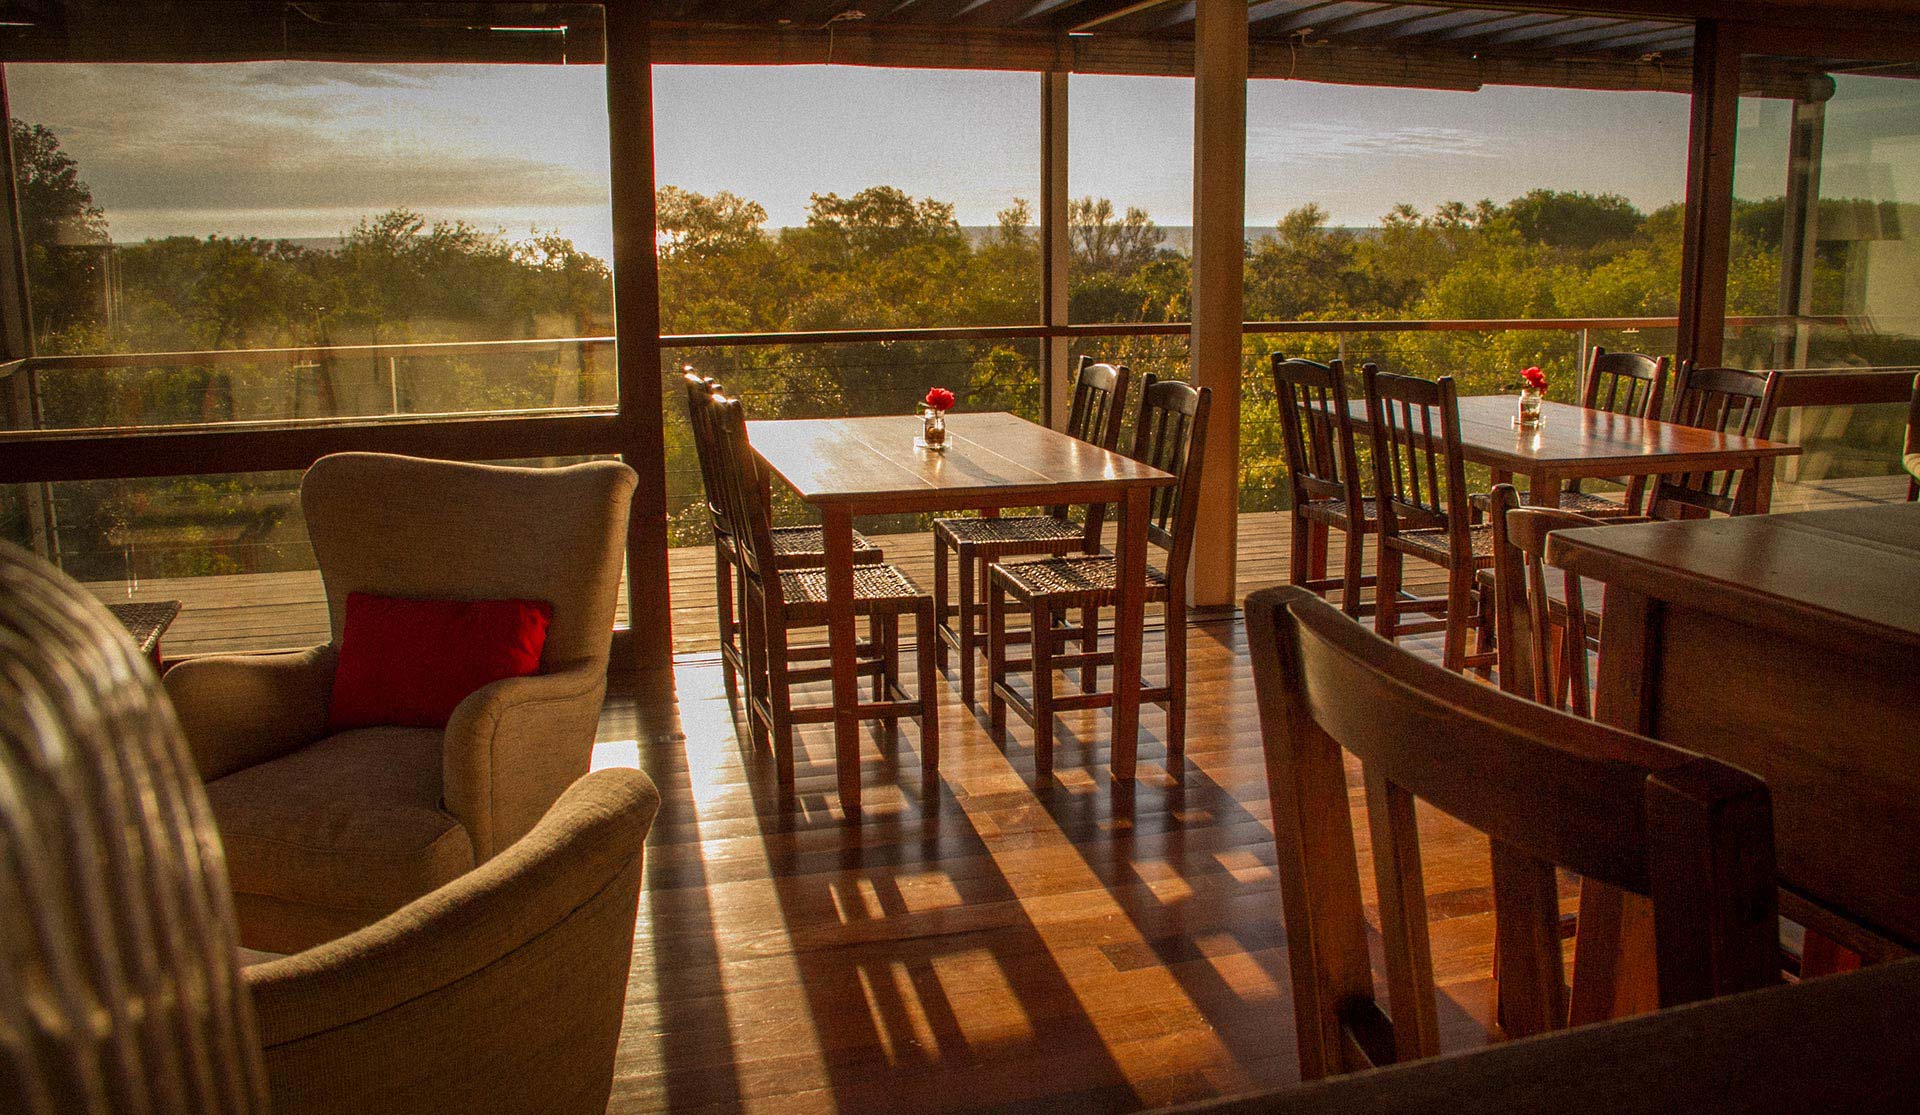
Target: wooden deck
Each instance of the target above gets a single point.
(277, 611)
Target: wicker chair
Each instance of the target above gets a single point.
(1731, 401)
(779, 598)
(796, 547)
(1099, 404)
(1620, 383)
(1323, 473)
(1420, 483)
(1170, 433)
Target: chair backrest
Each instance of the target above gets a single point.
(1625, 383)
(1730, 401)
(1420, 478)
(1551, 790)
(1170, 433)
(119, 990)
(403, 526)
(1523, 611)
(745, 497)
(1316, 431)
(700, 392)
(1099, 410)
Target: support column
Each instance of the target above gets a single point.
(1219, 274)
(636, 310)
(21, 389)
(1709, 220)
(1056, 249)
(1800, 224)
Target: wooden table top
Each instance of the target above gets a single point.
(991, 455)
(1572, 435)
(1825, 576)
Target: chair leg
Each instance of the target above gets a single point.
(755, 641)
(1090, 644)
(1453, 655)
(925, 639)
(1042, 644)
(724, 587)
(1317, 536)
(886, 630)
(1176, 622)
(1352, 573)
(1386, 592)
(941, 600)
(1298, 550)
(996, 657)
(780, 701)
(970, 564)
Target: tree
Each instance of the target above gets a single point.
(63, 231)
(1572, 218)
(1101, 243)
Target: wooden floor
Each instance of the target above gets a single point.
(980, 942)
(278, 611)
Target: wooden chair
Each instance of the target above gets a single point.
(1626, 383)
(797, 547)
(1543, 627)
(1910, 457)
(1551, 791)
(1323, 474)
(1099, 406)
(1170, 433)
(1420, 490)
(780, 598)
(1731, 401)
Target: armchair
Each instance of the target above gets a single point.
(327, 833)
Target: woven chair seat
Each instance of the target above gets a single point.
(1008, 530)
(1586, 503)
(1334, 511)
(1076, 581)
(807, 542)
(876, 588)
(1432, 545)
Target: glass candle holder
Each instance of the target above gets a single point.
(1528, 416)
(933, 430)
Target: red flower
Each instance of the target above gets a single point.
(939, 398)
(1535, 378)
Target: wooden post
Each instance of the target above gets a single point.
(1709, 219)
(636, 308)
(1219, 263)
(22, 389)
(1799, 235)
(1056, 249)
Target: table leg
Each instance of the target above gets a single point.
(1613, 958)
(1543, 490)
(1755, 496)
(837, 531)
(1128, 620)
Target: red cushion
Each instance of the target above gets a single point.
(410, 662)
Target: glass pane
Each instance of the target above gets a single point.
(232, 548)
(1130, 217)
(1825, 257)
(846, 198)
(350, 239)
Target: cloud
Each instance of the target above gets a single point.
(1327, 142)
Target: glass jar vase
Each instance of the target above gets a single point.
(1528, 416)
(933, 431)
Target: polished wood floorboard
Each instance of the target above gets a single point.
(982, 942)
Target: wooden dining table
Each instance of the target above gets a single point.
(849, 467)
(1788, 645)
(1575, 443)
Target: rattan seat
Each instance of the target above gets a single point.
(1074, 582)
(876, 588)
(805, 545)
(1017, 530)
(1434, 543)
(1587, 503)
(1334, 512)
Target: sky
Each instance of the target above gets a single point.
(306, 149)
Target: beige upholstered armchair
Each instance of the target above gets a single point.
(500, 992)
(326, 833)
